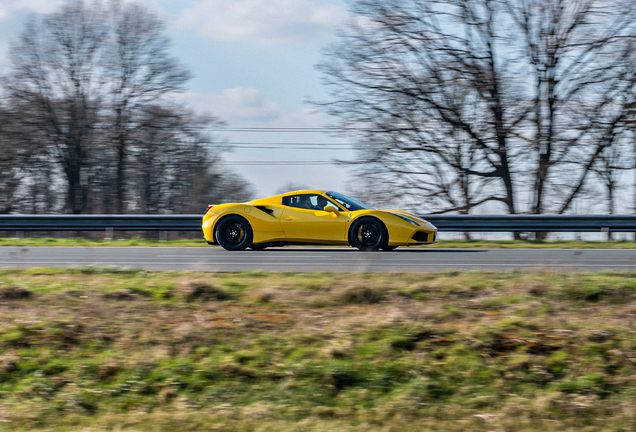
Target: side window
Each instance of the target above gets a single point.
(307, 201)
(297, 201)
(304, 201)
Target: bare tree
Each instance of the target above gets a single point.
(140, 72)
(54, 78)
(10, 161)
(609, 168)
(96, 79)
(176, 164)
(28, 181)
(475, 101)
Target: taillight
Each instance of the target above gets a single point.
(209, 207)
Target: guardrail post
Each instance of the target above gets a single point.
(109, 233)
(163, 235)
(607, 233)
(19, 234)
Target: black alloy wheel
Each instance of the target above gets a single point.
(234, 233)
(368, 234)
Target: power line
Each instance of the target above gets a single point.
(290, 143)
(289, 146)
(285, 163)
(279, 129)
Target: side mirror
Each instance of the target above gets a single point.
(331, 209)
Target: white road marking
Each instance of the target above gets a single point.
(128, 263)
(272, 256)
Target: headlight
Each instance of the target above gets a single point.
(411, 221)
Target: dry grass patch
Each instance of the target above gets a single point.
(481, 351)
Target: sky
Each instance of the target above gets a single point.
(253, 63)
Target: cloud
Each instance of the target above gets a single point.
(9, 8)
(247, 107)
(243, 105)
(261, 20)
(12, 16)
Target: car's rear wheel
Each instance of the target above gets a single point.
(234, 233)
(368, 234)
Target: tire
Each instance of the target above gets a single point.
(234, 233)
(368, 234)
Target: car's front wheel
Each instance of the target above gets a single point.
(234, 233)
(368, 234)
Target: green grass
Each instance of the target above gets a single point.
(107, 349)
(75, 241)
(442, 244)
(535, 244)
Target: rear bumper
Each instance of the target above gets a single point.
(207, 230)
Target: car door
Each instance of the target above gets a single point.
(307, 225)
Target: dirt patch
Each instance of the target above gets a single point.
(361, 295)
(14, 293)
(8, 363)
(265, 295)
(195, 290)
(121, 295)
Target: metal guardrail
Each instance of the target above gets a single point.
(531, 223)
(100, 222)
(471, 223)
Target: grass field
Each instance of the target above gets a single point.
(443, 244)
(97, 349)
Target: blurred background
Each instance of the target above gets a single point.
(470, 107)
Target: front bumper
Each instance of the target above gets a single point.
(424, 237)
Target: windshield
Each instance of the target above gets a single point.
(348, 203)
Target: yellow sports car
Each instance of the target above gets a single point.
(312, 217)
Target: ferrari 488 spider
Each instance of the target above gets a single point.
(312, 217)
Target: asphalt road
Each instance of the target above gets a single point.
(215, 259)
